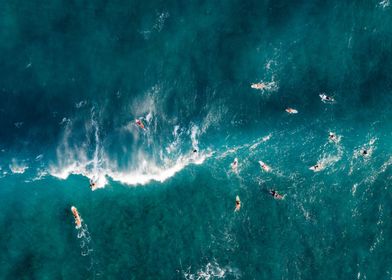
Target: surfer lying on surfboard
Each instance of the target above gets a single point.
(78, 220)
(316, 167)
(237, 204)
(291, 111)
(140, 124)
(364, 152)
(260, 86)
(276, 195)
(264, 166)
(234, 165)
(326, 98)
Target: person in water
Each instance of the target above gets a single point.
(260, 86)
(195, 151)
(237, 204)
(364, 152)
(140, 124)
(332, 137)
(326, 97)
(317, 167)
(291, 111)
(92, 185)
(234, 165)
(276, 195)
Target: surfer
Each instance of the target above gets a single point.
(291, 111)
(276, 195)
(332, 137)
(234, 165)
(78, 220)
(140, 124)
(92, 185)
(316, 167)
(364, 152)
(264, 166)
(237, 204)
(326, 98)
(259, 86)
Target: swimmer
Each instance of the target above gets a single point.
(276, 195)
(194, 151)
(259, 86)
(316, 167)
(140, 124)
(237, 204)
(291, 111)
(265, 166)
(78, 220)
(234, 165)
(326, 98)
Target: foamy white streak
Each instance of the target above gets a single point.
(136, 177)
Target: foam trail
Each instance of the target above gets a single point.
(155, 173)
(86, 247)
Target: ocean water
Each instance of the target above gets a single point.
(74, 76)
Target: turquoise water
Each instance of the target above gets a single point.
(74, 77)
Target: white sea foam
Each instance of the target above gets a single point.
(39, 157)
(18, 167)
(40, 175)
(18, 124)
(214, 117)
(173, 146)
(212, 271)
(98, 166)
(195, 132)
(75, 160)
(155, 173)
(160, 22)
(384, 3)
(80, 104)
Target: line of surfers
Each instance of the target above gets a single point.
(259, 86)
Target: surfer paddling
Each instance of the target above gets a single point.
(326, 98)
(237, 204)
(364, 152)
(291, 111)
(259, 86)
(332, 136)
(78, 220)
(276, 195)
(140, 124)
(264, 166)
(234, 165)
(316, 167)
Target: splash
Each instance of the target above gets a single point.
(18, 167)
(145, 166)
(75, 159)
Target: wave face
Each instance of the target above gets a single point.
(209, 82)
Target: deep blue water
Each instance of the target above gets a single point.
(76, 74)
